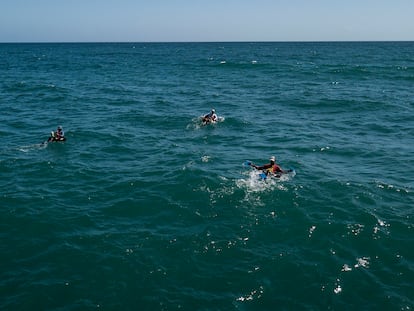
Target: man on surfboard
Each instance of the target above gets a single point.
(59, 135)
(271, 168)
(210, 117)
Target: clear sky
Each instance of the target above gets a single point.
(205, 20)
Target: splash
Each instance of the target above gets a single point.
(197, 123)
(362, 262)
(254, 294)
(29, 148)
(255, 183)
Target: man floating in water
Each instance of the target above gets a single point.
(59, 135)
(271, 168)
(210, 117)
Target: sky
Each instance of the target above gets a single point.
(205, 20)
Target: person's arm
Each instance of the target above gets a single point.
(263, 167)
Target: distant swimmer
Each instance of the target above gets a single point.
(271, 168)
(210, 117)
(59, 135)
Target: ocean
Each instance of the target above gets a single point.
(144, 208)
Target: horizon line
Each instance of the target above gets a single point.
(230, 41)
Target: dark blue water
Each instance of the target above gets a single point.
(143, 208)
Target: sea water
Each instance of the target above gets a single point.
(143, 208)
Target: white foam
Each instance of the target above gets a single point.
(362, 262)
(32, 147)
(254, 183)
(311, 230)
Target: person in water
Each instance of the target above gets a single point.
(210, 117)
(271, 168)
(58, 135)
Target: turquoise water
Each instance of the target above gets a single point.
(142, 208)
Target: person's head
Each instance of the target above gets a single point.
(213, 110)
(272, 159)
(59, 128)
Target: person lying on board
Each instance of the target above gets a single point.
(60, 134)
(271, 168)
(210, 117)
